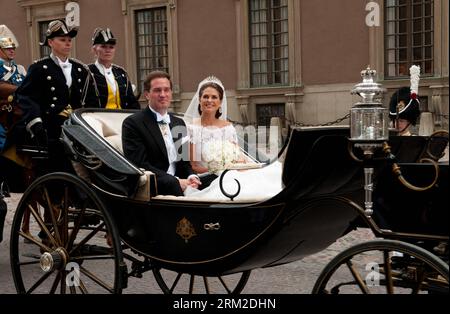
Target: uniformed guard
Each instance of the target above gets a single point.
(54, 86)
(404, 107)
(11, 76)
(114, 87)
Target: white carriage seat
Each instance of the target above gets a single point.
(108, 125)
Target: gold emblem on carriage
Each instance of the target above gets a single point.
(185, 229)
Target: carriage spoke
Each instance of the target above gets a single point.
(65, 218)
(205, 281)
(39, 282)
(33, 240)
(357, 277)
(420, 279)
(191, 284)
(42, 225)
(388, 272)
(87, 238)
(73, 290)
(174, 284)
(96, 279)
(224, 285)
(82, 287)
(63, 283)
(75, 229)
(91, 257)
(205, 284)
(28, 263)
(52, 216)
(55, 283)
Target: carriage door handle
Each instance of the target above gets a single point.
(212, 226)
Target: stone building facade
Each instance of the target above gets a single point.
(297, 59)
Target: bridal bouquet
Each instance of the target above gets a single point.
(219, 154)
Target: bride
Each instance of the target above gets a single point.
(214, 147)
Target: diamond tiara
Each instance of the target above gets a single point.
(211, 79)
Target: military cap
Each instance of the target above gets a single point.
(58, 28)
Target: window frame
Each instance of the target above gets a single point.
(409, 33)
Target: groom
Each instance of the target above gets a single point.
(149, 138)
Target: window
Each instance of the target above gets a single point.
(269, 49)
(409, 35)
(151, 42)
(44, 51)
(265, 112)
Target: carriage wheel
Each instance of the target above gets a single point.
(172, 282)
(66, 249)
(384, 266)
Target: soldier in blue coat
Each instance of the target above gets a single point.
(11, 76)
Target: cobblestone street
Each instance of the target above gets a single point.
(294, 278)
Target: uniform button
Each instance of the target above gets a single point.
(49, 78)
(52, 106)
(52, 89)
(80, 90)
(45, 66)
(55, 98)
(123, 75)
(79, 80)
(79, 69)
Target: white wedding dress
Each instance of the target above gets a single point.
(256, 184)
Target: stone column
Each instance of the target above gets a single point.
(293, 101)
(439, 106)
(243, 105)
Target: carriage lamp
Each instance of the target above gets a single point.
(368, 119)
(369, 127)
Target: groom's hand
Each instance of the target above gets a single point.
(194, 181)
(183, 183)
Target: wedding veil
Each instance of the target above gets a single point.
(192, 111)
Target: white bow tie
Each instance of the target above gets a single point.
(163, 119)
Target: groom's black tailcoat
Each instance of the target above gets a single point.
(143, 145)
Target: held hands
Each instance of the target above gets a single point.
(192, 181)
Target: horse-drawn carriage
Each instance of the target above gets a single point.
(91, 231)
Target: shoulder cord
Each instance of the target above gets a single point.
(86, 87)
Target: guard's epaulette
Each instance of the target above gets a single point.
(84, 65)
(41, 59)
(119, 67)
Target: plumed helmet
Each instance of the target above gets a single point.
(7, 38)
(58, 28)
(404, 102)
(103, 36)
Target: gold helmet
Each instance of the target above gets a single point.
(7, 38)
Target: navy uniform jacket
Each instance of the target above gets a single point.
(44, 93)
(127, 99)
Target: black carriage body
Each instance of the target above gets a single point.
(320, 202)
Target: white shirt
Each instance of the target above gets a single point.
(168, 140)
(109, 75)
(66, 67)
